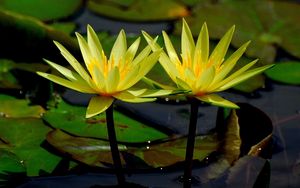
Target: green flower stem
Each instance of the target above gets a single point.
(114, 146)
(187, 177)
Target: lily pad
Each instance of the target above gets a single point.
(147, 10)
(23, 137)
(72, 119)
(44, 10)
(19, 108)
(285, 72)
(265, 23)
(95, 152)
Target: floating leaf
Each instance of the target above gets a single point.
(285, 72)
(67, 27)
(72, 119)
(265, 23)
(23, 137)
(147, 10)
(44, 10)
(96, 152)
(18, 108)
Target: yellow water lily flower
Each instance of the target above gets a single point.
(201, 74)
(109, 78)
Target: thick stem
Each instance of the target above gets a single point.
(114, 146)
(187, 177)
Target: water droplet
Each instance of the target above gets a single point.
(22, 162)
(160, 168)
(167, 99)
(148, 141)
(147, 147)
(177, 100)
(21, 92)
(259, 149)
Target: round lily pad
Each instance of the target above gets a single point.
(43, 9)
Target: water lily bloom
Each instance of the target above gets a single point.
(202, 75)
(111, 78)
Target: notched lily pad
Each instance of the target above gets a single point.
(72, 119)
(18, 108)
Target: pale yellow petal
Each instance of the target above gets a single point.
(244, 77)
(98, 78)
(202, 46)
(217, 100)
(73, 62)
(187, 41)
(67, 83)
(84, 48)
(142, 55)
(220, 50)
(128, 97)
(94, 44)
(97, 105)
(130, 53)
(228, 65)
(170, 49)
(119, 48)
(150, 93)
(182, 84)
(206, 78)
(113, 79)
(126, 82)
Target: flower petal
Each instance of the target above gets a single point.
(228, 65)
(206, 78)
(187, 41)
(97, 105)
(217, 101)
(130, 53)
(84, 48)
(244, 76)
(150, 93)
(73, 62)
(112, 81)
(128, 97)
(119, 48)
(202, 46)
(125, 83)
(182, 84)
(94, 44)
(142, 55)
(170, 49)
(220, 50)
(67, 83)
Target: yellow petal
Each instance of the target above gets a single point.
(244, 77)
(67, 83)
(97, 105)
(112, 81)
(73, 62)
(128, 97)
(142, 55)
(94, 44)
(119, 48)
(187, 41)
(130, 53)
(98, 78)
(182, 84)
(235, 74)
(84, 48)
(170, 49)
(202, 46)
(216, 100)
(150, 93)
(220, 50)
(206, 78)
(126, 82)
(230, 62)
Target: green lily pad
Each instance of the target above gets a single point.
(285, 72)
(97, 153)
(9, 162)
(72, 119)
(44, 10)
(23, 137)
(147, 10)
(67, 27)
(265, 23)
(19, 108)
